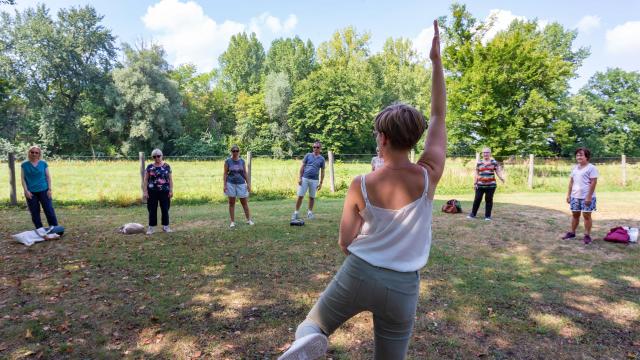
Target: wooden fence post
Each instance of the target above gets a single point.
(12, 179)
(413, 155)
(624, 170)
(249, 168)
(530, 171)
(332, 179)
(141, 157)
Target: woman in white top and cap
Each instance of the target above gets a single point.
(385, 232)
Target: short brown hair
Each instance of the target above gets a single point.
(402, 124)
(585, 151)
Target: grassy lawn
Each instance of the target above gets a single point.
(500, 290)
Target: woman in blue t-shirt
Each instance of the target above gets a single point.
(236, 184)
(36, 182)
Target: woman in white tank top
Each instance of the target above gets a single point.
(385, 232)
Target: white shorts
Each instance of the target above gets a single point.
(308, 184)
(237, 190)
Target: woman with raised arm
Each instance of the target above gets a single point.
(385, 232)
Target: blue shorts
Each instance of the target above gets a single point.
(578, 205)
(237, 190)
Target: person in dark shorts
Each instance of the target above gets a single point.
(581, 195)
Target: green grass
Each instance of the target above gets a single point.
(500, 290)
(198, 182)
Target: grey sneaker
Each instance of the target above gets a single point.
(167, 229)
(470, 217)
(232, 225)
(250, 222)
(295, 216)
(150, 230)
(308, 347)
(310, 215)
(487, 219)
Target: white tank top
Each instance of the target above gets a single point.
(400, 239)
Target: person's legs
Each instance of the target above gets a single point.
(165, 204)
(34, 209)
(575, 221)
(152, 207)
(245, 207)
(476, 202)
(232, 208)
(587, 222)
(312, 202)
(488, 201)
(338, 302)
(49, 212)
(394, 310)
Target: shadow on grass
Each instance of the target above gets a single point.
(505, 289)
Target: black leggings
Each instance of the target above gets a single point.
(488, 200)
(155, 198)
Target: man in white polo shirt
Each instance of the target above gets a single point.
(312, 166)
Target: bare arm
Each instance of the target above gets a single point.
(569, 191)
(301, 172)
(351, 221)
(145, 185)
(435, 148)
(224, 176)
(500, 173)
(321, 178)
(170, 185)
(47, 175)
(592, 189)
(27, 193)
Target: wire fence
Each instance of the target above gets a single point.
(199, 179)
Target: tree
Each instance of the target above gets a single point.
(277, 98)
(253, 130)
(334, 106)
(401, 75)
(615, 97)
(292, 57)
(506, 92)
(57, 66)
(148, 105)
(242, 63)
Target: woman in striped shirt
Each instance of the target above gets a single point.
(485, 183)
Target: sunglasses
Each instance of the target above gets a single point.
(34, 153)
(156, 156)
(235, 150)
(316, 147)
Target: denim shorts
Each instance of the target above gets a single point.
(237, 190)
(310, 185)
(577, 205)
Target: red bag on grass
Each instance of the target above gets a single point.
(617, 235)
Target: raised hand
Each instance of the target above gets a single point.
(434, 54)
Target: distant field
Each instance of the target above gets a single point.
(117, 182)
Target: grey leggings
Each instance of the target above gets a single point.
(358, 286)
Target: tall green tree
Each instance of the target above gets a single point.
(242, 64)
(59, 66)
(506, 92)
(277, 97)
(334, 106)
(615, 96)
(148, 105)
(291, 56)
(401, 74)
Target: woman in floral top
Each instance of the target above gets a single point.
(158, 189)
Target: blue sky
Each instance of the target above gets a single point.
(198, 31)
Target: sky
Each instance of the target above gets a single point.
(198, 31)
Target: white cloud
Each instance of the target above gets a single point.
(623, 46)
(588, 23)
(501, 21)
(422, 42)
(191, 36)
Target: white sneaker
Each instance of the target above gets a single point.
(310, 215)
(309, 347)
(232, 225)
(167, 229)
(250, 222)
(295, 216)
(470, 217)
(150, 230)
(487, 219)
